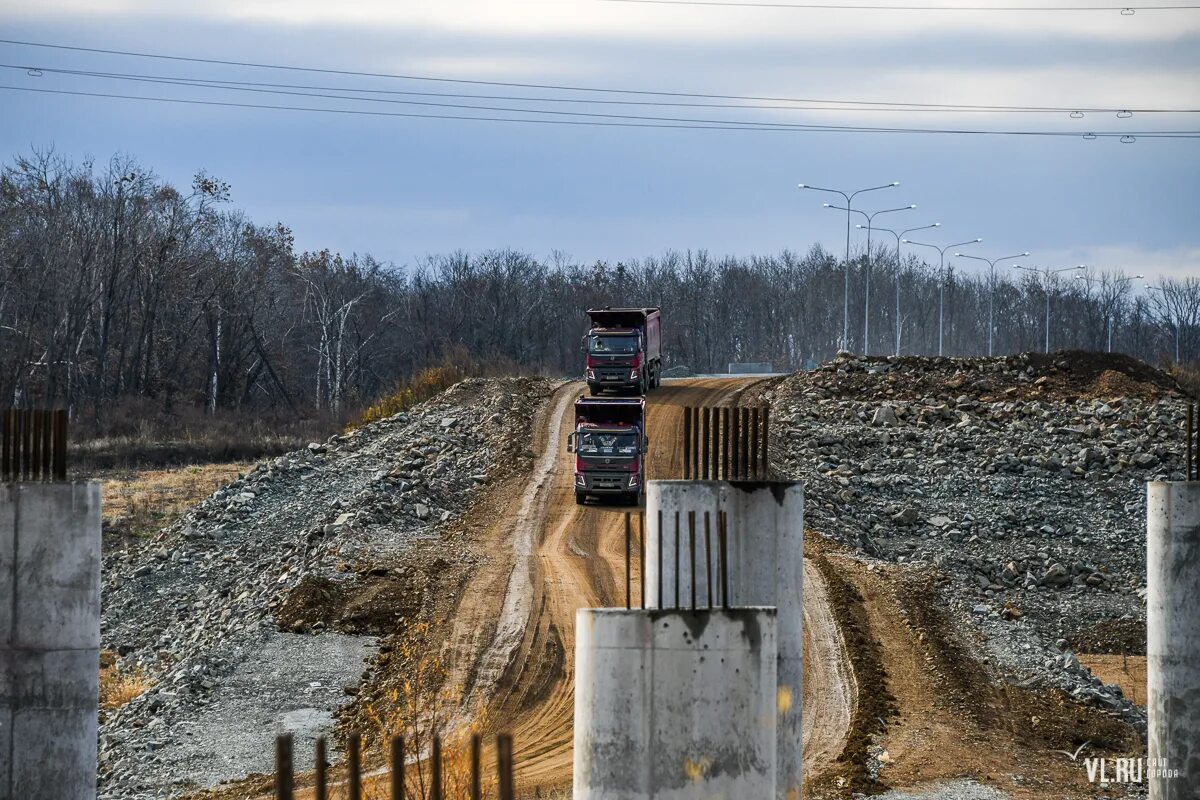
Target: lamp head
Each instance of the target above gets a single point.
(1138, 276)
(905, 241)
(914, 205)
(895, 183)
(824, 205)
(1024, 254)
(858, 226)
(958, 254)
(801, 186)
(937, 224)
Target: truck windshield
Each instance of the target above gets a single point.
(594, 443)
(612, 344)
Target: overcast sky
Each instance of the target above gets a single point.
(401, 188)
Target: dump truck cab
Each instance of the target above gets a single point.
(623, 350)
(610, 445)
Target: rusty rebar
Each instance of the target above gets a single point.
(725, 474)
(628, 561)
(435, 769)
(504, 766)
(397, 749)
(705, 413)
(320, 782)
(735, 447)
(354, 765)
(476, 778)
(745, 415)
(6, 416)
(765, 472)
(754, 443)
(708, 560)
(1190, 436)
(687, 443)
(714, 470)
(642, 556)
(283, 767)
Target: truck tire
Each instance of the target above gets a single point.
(593, 391)
(580, 498)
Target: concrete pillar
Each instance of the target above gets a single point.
(674, 705)
(50, 653)
(1173, 639)
(766, 568)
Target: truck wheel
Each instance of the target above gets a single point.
(580, 498)
(643, 384)
(593, 391)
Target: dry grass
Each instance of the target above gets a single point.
(117, 687)
(1188, 376)
(425, 385)
(142, 502)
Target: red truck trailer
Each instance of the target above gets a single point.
(623, 350)
(610, 445)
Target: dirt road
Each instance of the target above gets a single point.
(513, 640)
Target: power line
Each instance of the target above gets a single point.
(216, 83)
(1124, 10)
(683, 124)
(548, 87)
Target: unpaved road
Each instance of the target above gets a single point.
(513, 640)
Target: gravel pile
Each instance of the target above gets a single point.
(195, 609)
(1021, 479)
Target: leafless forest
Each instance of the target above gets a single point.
(116, 286)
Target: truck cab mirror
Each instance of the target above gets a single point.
(583, 344)
(570, 443)
(645, 445)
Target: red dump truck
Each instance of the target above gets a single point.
(623, 350)
(610, 445)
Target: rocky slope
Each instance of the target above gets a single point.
(1021, 480)
(256, 610)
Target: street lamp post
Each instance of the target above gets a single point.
(870, 265)
(846, 290)
(1109, 313)
(1046, 275)
(899, 236)
(941, 282)
(992, 290)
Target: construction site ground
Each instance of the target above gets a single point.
(896, 695)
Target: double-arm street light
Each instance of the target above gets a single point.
(846, 290)
(899, 237)
(991, 262)
(870, 265)
(1046, 274)
(1091, 279)
(941, 282)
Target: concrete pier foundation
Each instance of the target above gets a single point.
(1173, 639)
(674, 705)
(765, 551)
(49, 656)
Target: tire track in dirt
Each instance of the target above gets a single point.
(578, 562)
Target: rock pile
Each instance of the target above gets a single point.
(1017, 478)
(202, 597)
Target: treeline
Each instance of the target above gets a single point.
(115, 285)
